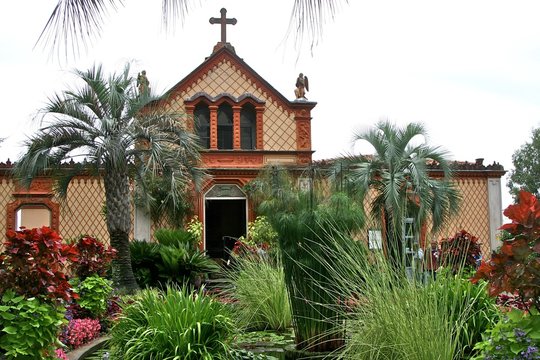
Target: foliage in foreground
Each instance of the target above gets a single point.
(516, 336)
(468, 305)
(29, 327)
(34, 262)
(172, 324)
(515, 268)
(391, 317)
(256, 284)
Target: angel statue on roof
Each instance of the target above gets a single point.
(302, 85)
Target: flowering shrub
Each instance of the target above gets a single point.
(33, 264)
(60, 354)
(516, 337)
(460, 251)
(80, 331)
(515, 268)
(94, 258)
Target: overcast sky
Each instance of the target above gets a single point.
(468, 69)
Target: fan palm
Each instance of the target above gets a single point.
(397, 174)
(121, 137)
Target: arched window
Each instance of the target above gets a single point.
(33, 216)
(202, 124)
(248, 128)
(225, 127)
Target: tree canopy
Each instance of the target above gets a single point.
(526, 172)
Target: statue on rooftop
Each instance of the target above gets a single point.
(302, 85)
(142, 83)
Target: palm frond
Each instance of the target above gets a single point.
(75, 22)
(309, 17)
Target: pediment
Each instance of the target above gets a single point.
(225, 74)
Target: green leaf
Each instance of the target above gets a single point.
(516, 348)
(10, 330)
(7, 316)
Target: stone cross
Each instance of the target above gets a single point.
(223, 21)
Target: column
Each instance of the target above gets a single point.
(259, 144)
(190, 121)
(236, 127)
(213, 127)
(495, 211)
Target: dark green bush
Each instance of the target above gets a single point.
(176, 238)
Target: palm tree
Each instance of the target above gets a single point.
(79, 20)
(121, 137)
(397, 178)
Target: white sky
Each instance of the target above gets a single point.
(469, 70)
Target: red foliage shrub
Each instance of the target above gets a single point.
(461, 250)
(515, 267)
(94, 258)
(33, 264)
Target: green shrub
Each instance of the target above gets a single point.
(176, 238)
(195, 227)
(515, 336)
(180, 265)
(29, 327)
(261, 233)
(172, 324)
(257, 286)
(94, 291)
(144, 259)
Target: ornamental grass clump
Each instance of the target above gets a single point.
(391, 317)
(172, 324)
(303, 221)
(256, 284)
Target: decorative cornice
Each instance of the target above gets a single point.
(218, 98)
(459, 168)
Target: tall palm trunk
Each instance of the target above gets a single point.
(119, 225)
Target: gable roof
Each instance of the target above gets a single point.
(225, 53)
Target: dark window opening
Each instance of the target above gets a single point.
(202, 125)
(248, 128)
(225, 127)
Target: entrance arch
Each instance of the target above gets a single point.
(225, 217)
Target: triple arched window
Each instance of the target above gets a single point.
(235, 125)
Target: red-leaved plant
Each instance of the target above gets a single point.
(33, 264)
(94, 258)
(515, 267)
(460, 251)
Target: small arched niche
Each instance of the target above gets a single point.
(33, 216)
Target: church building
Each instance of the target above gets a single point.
(243, 124)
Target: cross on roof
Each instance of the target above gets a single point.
(223, 21)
